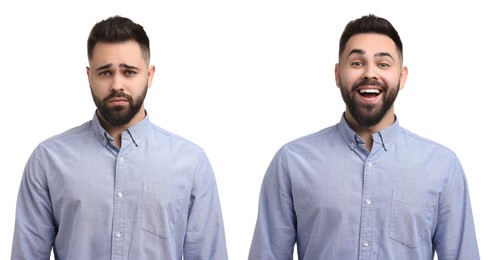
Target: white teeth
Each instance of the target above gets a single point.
(371, 90)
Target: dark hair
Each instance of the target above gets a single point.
(370, 24)
(118, 29)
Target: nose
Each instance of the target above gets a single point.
(117, 83)
(370, 72)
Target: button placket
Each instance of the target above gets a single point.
(367, 210)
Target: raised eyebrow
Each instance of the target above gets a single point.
(384, 54)
(357, 51)
(363, 52)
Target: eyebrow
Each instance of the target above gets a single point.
(122, 65)
(363, 52)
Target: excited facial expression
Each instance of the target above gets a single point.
(119, 78)
(369, 75)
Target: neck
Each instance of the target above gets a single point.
(366, 132)
(116, 131)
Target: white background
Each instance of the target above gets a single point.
(241, 78)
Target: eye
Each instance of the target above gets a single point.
(356, 64)
(104, 73)
(384, 65)
(130, 73)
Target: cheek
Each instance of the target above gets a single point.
(348, 78)
(352, 74)
(98, 91)
(392, 80)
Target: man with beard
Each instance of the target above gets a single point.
(118, 186)
(365, 188)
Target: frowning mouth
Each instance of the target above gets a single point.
(117, 101)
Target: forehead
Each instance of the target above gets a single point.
(128, 52)
(371, 44)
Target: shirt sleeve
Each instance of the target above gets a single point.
(275, 231)
(205, 235)
(34, 230)
(455, 232)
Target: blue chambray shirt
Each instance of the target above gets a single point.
(405, 199)
(154, 198)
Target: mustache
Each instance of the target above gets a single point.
(369, 82)
(118, 95)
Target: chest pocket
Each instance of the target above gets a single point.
(413, 216)
(162, 207)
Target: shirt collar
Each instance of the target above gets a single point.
(385, 137)
(136, 132)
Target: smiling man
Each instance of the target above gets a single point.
(365, 188)
(118, 186)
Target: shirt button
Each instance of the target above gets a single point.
(370, 164)
(118, 234)
(365, 243)
(121, 159)
(119, 194)
(367, 201)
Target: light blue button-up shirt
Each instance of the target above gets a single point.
(405, 199)
(154, 198)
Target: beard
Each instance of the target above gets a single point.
(119, 115)
(368, 115)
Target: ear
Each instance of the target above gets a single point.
(88, 73)
(151, 73)
(403, 77)
(337, 74)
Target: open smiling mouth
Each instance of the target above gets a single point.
(369, 92)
